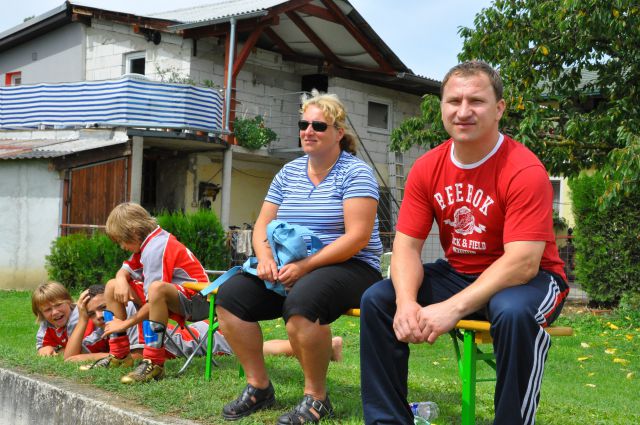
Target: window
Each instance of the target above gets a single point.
(135, 63)
(13, 78)
(555, 183)
(378, 115)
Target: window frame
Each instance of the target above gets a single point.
(10, 78)
(556, 204)
(129, 57)
(381, 101)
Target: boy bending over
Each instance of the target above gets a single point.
(152, 278)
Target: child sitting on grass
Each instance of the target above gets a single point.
(58, 316)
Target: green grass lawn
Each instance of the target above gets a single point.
(590, 378)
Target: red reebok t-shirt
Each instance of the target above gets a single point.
(505, 197)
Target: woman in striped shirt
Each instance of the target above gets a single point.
(334, 194)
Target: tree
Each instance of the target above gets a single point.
(571, 70)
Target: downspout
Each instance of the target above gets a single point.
(227, 160)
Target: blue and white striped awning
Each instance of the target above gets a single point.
(128, 101)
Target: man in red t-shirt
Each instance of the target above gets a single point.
(492, 201)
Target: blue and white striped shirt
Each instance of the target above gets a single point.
(320, 208)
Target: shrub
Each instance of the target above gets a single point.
(202, 233)
(78, 260)
(252, 133)
(606, 240)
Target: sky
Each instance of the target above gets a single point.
(422, 33)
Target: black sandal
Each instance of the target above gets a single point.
(250, 400)
(302, 413)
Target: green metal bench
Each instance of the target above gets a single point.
(473, 333)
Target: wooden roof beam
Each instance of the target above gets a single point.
(318, 12)
(364, 42)
(287, 7)
(311, 35)
(285, 50)
(246, 49)
(221, 30)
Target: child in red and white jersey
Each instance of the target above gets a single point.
(58, 316)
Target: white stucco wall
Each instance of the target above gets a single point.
(107, 43)
(57, 57)
(30, 202)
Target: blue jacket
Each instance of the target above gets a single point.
(289, 243)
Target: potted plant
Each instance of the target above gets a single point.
(251, 133)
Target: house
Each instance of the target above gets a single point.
(67, 159)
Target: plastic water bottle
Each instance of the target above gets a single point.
(424, 412)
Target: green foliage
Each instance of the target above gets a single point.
(78, 260)
(570, 69)
(251, 133)
(559, 223)
(630, 305)
(426, 130)
(606, 240)
(173, 75)
(202, 233)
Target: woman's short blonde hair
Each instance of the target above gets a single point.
(45, 293)
(333, 110)
(130, 223)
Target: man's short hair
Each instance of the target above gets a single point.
(94, 290)
(469, 68)
(129, 222)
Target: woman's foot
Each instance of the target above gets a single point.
(251, 400)
(308, 411)
(336, 348)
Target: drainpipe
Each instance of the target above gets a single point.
(227, 159)
(137, 145)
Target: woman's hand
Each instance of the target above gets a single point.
(267, 270)
(290, 273)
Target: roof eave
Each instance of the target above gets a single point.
(34, 27)
(191, 25)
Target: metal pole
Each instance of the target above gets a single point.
(227, 160)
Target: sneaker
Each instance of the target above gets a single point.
(145, 371)
(108, 362)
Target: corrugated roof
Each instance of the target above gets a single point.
(217, 10)
(47, 148)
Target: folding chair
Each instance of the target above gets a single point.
(201, 339)
(209, 290)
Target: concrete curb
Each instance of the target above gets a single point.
(29, 400)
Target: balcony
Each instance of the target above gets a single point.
(129, 101)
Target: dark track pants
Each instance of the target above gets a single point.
(517, 315)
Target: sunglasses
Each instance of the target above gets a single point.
(316, 125)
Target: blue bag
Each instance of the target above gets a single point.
(289, 243)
